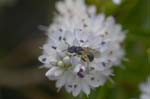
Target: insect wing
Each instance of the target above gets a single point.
(93, 51)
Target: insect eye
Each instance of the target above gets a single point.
(90, 56)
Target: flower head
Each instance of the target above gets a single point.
(82, 47)
(145, 89)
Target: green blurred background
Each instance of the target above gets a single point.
(20, 39)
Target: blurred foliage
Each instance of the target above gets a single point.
(20, 40)
(148, 52)
(7, 3)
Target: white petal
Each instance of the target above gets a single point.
(77, 68)
(94, 83)
(85, 88)
(101, 18)
(69, 82)
(58, 72)
(60, 83)
(92, 10)
(100, 81)
(51, 71)
(54, 71)
(76, 90)
(68, 88)
(76, 42)
(69, 37)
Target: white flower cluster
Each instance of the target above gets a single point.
(145, 89)
(117, 2)
(82, 47)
